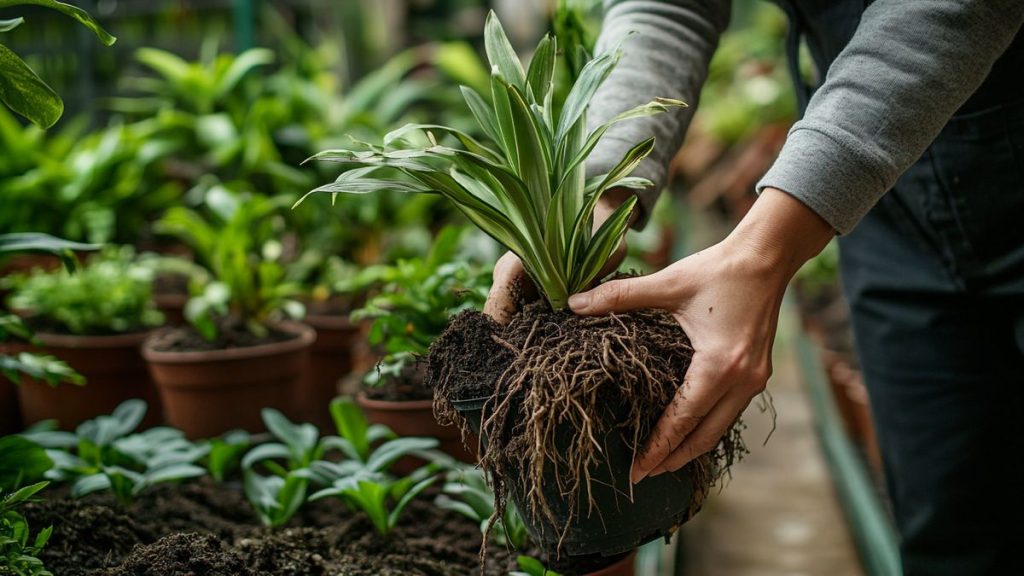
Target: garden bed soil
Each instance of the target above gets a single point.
(209, 529)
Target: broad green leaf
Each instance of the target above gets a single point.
(73, 11)
(351, 424)
(26, 93)
(21, 460)
(241, 66)
(8, 25)
(501, 54)
(389, 452)
(406, 499)
(265, 452)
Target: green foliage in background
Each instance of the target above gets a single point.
(111, 294)
(18, 550)
(236, 240)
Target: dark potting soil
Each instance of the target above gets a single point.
(468, 358)
(409, 385)
(205, 528)
(229, 335)
(170, 283)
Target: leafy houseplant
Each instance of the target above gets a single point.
(417, 296)
(548, 378)
(95, 320)
(18, 551)
(239, 354)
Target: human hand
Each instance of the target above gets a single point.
(508, 270)
(727, 300)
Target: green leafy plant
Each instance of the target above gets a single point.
(274, 498)
(415, 300)
(112, 294)
(466, 492)
(371, 448)
(18, 551)
(21, 461)
(105, 454)
(42, 367)
(381, 497)
(530, 566)
(527, 189)
(21, 89)
(225, 453)
(237, 243)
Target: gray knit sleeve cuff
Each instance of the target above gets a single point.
(837, 181)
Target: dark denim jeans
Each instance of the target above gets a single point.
(935, 279)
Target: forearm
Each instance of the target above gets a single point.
(666, 45)
(887, 96)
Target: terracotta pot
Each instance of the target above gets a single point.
(624, 567)
(114, 372)
(207, 393)
(330, 360)
(10, 413)
(172, 306)
(415, 418)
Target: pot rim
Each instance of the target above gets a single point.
(305, 336)
(127, 340)
(393, 405)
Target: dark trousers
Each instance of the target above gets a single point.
(935, 278)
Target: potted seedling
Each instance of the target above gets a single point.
(416, 299)
(563, 403)
(94, 320)
(239, 352)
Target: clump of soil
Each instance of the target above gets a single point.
(549, 374)
(230, 334)
(190, 553)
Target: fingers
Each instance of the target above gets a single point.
(692, 402)
(500, 305)
(622, 295)
(706, 436)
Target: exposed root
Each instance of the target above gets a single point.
(556, 385)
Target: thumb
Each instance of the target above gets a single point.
(623, 295)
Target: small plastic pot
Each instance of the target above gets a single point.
(616, 524)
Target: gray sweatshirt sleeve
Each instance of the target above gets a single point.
(667, 56)
(886, 97)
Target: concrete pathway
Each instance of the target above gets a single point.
(779, 515)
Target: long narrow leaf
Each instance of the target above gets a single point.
(602, 245)
(501, 54)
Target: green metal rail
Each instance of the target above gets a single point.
(872, 530)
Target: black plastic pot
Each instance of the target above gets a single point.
(616, 524)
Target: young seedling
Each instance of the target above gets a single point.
(466, 492)
(104, 454)
(226, 453)
(381, 497)
(530, 566)
(18, 551)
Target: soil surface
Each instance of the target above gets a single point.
(407, 386)
(229, 335)
(205, 528)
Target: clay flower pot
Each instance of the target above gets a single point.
(10, 414)
(330, 360)
(207, 393)
(415, 418)
(172, 306)
(624, 567)
(114, 372)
